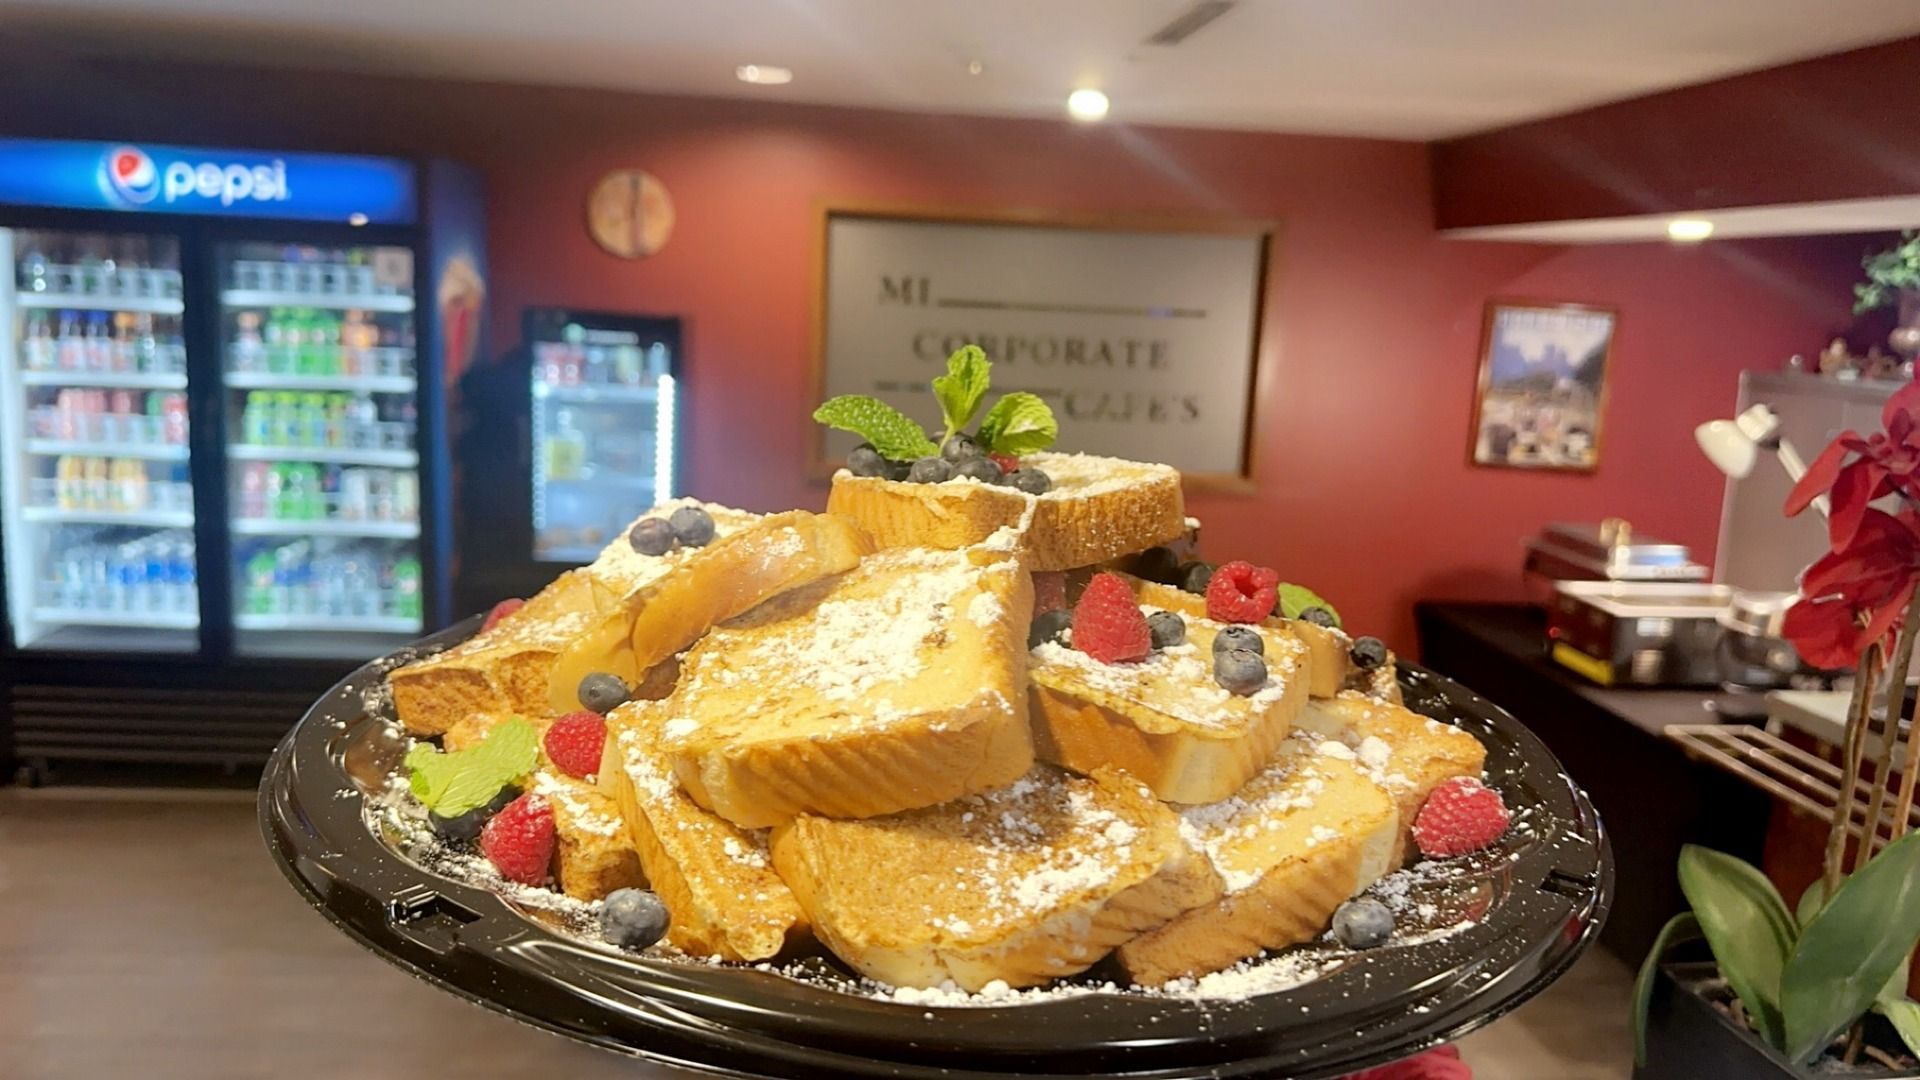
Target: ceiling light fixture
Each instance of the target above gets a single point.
(975, 67)
(1087, 105)
(1688, 230)
(763, 74)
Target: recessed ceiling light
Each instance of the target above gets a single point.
(975, 67)
(763, 74)
(1688, 230)
(1087, 104)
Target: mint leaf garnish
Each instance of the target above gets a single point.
(890, 431)
(962, 388)
(1295, 599)
(450, 784)
(1019, 423)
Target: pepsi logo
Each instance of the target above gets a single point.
(131, 175)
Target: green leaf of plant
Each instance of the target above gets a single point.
(1811, 901)
(1019, 423)
(1850, 949)
(452, 784)
(1748, 926)
(890, 431)
(1904, 1013)
(1682, 927)
(963, 387)
(1295, 599)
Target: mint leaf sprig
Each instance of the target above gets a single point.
(1019, 423)
(450, 784)
(1295, 599)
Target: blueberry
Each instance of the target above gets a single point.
(692, 525)
(651, 536)
(898, 470)
(461, 829)
(1048, 626)
(1369, 653)
(603, 693)
(632, 918)
(1158, 564)
(981, 469)
(1363, 923)
(1193, 577)
(866, 461)
(1167, 628)
(1239, 637)
(960, 448)
(1318, 616)
(1031, 481)
(1240, 670)
(930, 470)
(499, 802)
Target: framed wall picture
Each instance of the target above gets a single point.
(1140, 332)
(1543, 385)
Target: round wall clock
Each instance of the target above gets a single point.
(630, 214)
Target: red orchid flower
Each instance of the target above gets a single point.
(1884, 462)
(1854, 596)
(1440, 1063)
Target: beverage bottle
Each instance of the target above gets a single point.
(34, 276)
(253, 490)
(249, 348)
(130, 478)
(173, 418)
(255, 424)
(259, 593)
(39, 352)
(406, 588)
(595, 368)
(129, 571)
(273, 337)
(337, 420)
(70, 347)
(362, 422)
(154, 587)
(98, 343)
(286, 423)
(355, 494)
(362, 588)
(293, 492)
(273, 490)
(570, 364)
(406, 496)
(69, 483)
(329, 488)
(120, 344)
(144, 348)
(87, 271)
(98, 488)
(380, 494)
(313, 420)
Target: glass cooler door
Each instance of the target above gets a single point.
(321, 398)
(603, 432)
(98, 497)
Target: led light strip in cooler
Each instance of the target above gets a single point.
(663, 439)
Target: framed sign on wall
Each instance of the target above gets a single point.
(1543, 385)
(1141, 333)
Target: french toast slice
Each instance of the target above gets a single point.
(899, 684)
(1099, 508)
(1407, 754)
(591, 854)
(1164, 720)
(1329, 651)
(715, 878)
(500, 671)
(1023, 884)
(653, 606)
(1293, 845)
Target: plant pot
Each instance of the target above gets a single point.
(1905, 338)
(1689, 1038)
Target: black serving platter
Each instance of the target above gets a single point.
(1545, 896)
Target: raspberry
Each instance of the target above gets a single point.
(519, 840)
(1460, 816)
(1241, 592)
(1007, 462)
(574, 743)
(1108, 625)
(1049, 591)
(500, 611)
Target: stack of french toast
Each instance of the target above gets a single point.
(955, 732)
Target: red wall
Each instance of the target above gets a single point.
(1367, 370)
(1843, 126)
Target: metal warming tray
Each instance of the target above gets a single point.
(1607, 551)
(1542, 896)
(1638, 633)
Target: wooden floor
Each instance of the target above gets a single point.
(150, 937)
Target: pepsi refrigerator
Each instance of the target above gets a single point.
(566, 440)
(223, 474)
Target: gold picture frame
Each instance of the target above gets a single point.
(1541, 399)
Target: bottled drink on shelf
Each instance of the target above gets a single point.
(260, 597)
(253, 490)
(70, 483)
(35, 271)
(406, 496)
(286, 419)
(406, 588)
(129, 478)
(71, 346)
(337, 420)
(38, 352)
(98, 485)
(249, 346)
(173, 418)
(363, 422)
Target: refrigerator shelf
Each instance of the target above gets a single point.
(145, 451)
(163, 519)
(373, 384)
(591, 395)
(158, 620)
(269, 298)
(118, 380)
(357, 624)
(398, 459)
(382, 530)
(140, 305)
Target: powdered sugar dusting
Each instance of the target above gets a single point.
(578, 807)
(627, 571)
(1177, 680)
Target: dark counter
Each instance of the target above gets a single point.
(1651, 796)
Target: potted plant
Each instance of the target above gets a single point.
(1893, 277)
(1824, 985)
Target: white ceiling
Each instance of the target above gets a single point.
(1413, 69)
